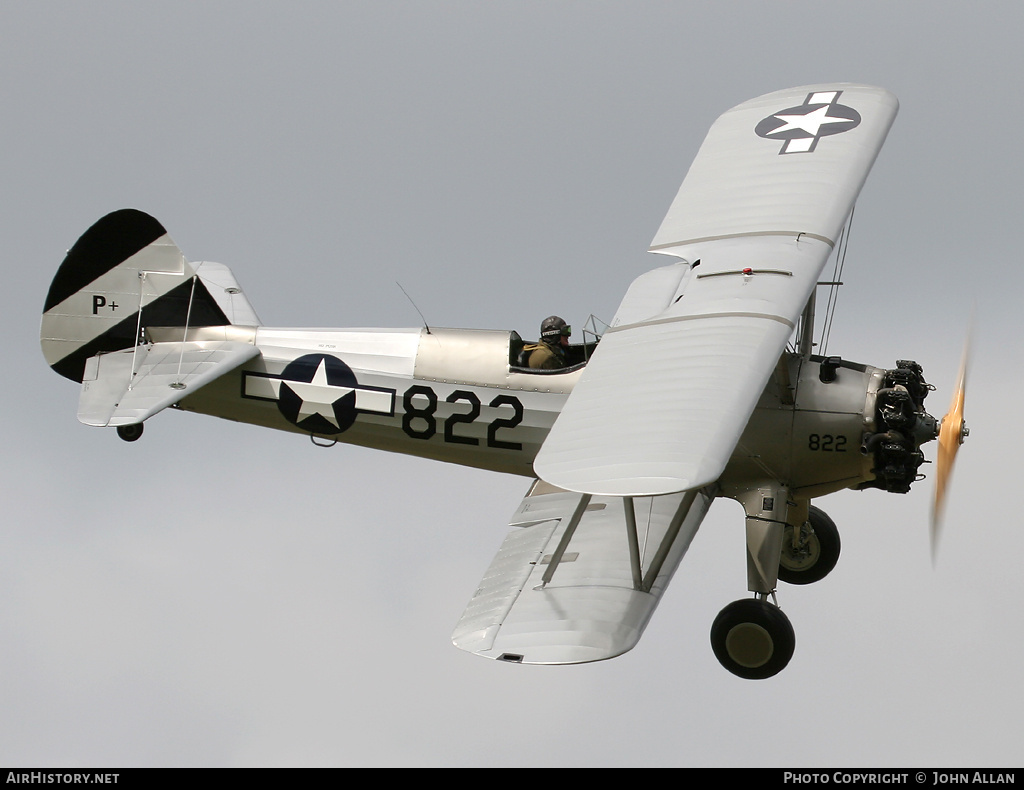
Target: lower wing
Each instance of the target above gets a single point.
(579, 576)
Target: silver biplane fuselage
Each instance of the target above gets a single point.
(454, 395)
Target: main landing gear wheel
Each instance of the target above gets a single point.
(753, 639)
(815, 551)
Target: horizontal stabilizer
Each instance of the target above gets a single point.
(127, 387)
(566, 588)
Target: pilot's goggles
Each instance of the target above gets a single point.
(565, 331)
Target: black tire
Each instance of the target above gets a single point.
(818, 556)
(130, 433)
(753, 639)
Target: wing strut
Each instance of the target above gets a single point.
(667, 541)
(563, 544)
(641, 582)
(634, 543)
(806, 345)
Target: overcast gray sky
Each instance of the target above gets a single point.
(219, 595)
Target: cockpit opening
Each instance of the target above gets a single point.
(553, 354)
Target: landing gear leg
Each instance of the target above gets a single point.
(766, 510)
(753, 638)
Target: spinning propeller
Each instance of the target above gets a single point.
(952, 433)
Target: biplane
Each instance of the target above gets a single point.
(705, 384)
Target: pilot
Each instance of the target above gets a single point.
(549, 353)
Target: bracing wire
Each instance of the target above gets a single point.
(188, 317)
(138, 327)
(833, 294)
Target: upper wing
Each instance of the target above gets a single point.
(578, 577)
(667, 394)
(127, 387)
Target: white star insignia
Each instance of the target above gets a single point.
(809, 122)
(314, 395)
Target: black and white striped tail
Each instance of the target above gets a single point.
(124, 262)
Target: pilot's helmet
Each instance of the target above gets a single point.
(552, 328)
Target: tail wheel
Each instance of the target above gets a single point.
(810, 555)
(130, 432)
(753, 639)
